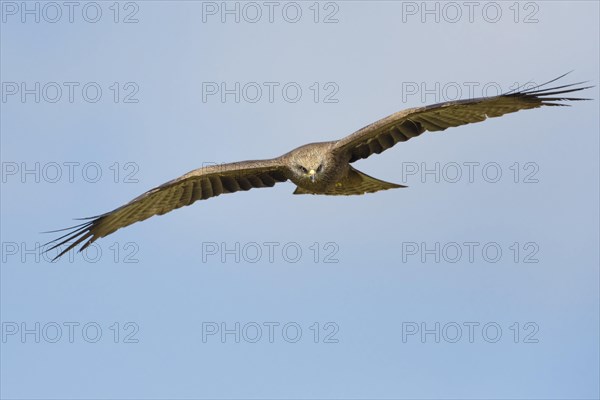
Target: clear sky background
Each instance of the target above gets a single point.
(141, 314)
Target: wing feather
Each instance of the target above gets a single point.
(199, 184)
(406, 124)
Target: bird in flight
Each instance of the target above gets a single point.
(317, 168)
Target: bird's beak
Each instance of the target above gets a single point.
(311, 174)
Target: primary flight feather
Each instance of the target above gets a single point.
(315, 168)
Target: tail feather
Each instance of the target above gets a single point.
(356, 182)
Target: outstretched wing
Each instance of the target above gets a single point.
(200, 184)
(406, 124)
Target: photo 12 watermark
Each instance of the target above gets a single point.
(89, 92)
(70, 12)
(487, 172)
(270, 332)
(264, 92)
(469, 332)
(111, 252)
(270, 12)
(270, 252)
(453, 12)
(70, 332)
(438, 92)
(27, 172)
(472, 252)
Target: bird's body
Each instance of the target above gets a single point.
(315, 168)
(322, 168)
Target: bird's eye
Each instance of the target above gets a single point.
(320, 168)
(302, 168)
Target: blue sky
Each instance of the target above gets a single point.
(480, 280)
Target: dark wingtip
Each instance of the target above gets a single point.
(540, 92)
(548, 96)
(518, 89)
(77, 234)
(66, 229)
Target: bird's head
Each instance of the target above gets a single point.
(311, 172)
(308, 163)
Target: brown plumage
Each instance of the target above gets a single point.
(316, 168)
